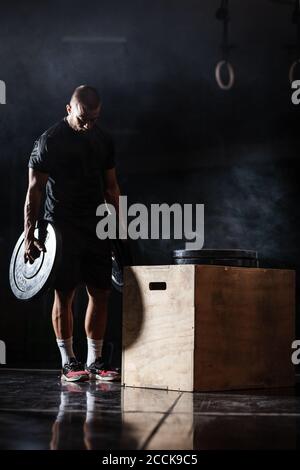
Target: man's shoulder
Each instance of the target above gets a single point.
(103, 134)
(53, 132)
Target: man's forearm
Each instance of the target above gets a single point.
(112, 197)
(31, 210)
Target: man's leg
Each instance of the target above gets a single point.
(95, 321)
(95, 324)
(96, 313)
(62, 320)
(62, 315)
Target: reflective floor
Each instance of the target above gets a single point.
(39, 412)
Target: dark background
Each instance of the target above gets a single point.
(178, 137)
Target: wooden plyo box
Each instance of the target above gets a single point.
(207, 328)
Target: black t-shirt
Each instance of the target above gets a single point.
(75, 162)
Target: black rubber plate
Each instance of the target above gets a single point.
(220, 254)
(120, 257)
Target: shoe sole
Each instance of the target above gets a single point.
(105, 379)
(108, 379)
(79, 378)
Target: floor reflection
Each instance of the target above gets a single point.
(40, 412)
(89, 418)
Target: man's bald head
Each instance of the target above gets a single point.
(84, 108)
(87, 96)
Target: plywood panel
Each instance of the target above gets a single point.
(244, 327)
(158, 328)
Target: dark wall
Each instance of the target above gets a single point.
(179, 138)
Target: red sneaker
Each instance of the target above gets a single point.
(74, 371)
(101, 371)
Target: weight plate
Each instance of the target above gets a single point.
(28, 281)
(210, 253)
(120, 257)
(242, 262)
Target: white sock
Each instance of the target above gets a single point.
(94, 350)
(66, 349)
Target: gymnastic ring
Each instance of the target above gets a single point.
(221, 84)
(292, 68)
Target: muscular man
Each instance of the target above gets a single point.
(74, 161)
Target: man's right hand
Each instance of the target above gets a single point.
(33, 248)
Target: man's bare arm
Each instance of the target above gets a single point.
(111, 189)
(36, 187)
(112, 194)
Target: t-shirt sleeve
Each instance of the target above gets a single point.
(110, 157)
(40, 157)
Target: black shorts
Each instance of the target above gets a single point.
(85, 259)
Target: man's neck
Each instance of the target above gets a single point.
(68, 121)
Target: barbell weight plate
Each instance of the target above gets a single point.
(28, 281)
(116, 274)
(237, 262)
(120, 257)
(211, 253)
